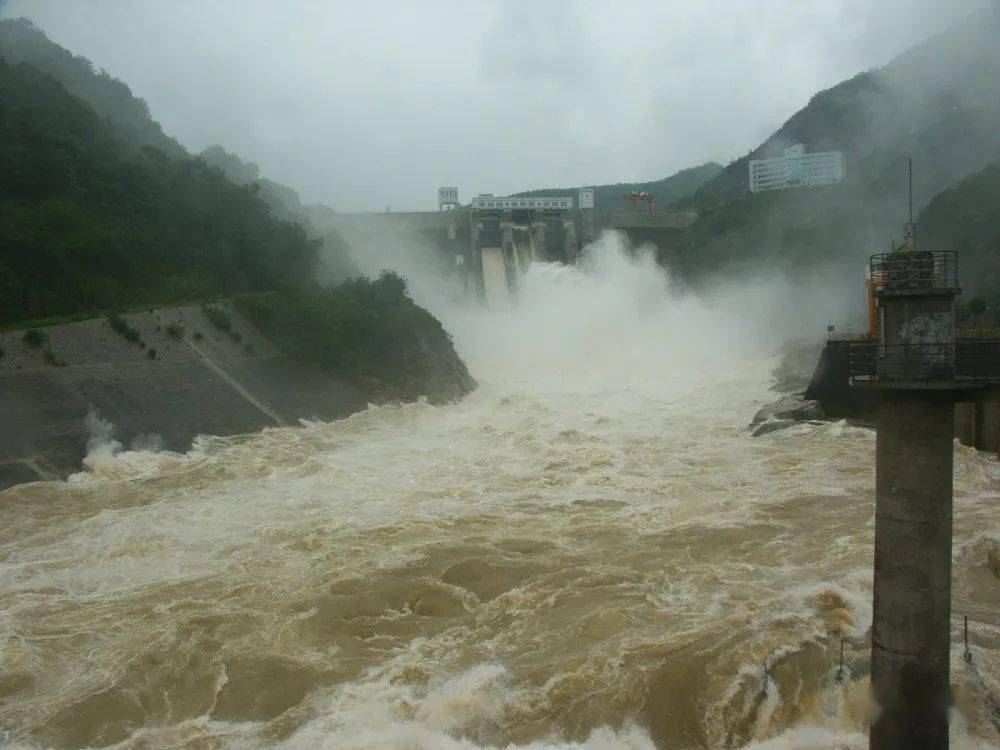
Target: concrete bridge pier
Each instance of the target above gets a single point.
(507, 246)
(538, 251)
(569, 241)
(911, 630)
(476, 257)
(915, 374)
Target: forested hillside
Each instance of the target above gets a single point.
(89, 221)
(335, 263)
(283, 200)
(368, 331)
(938, 102)
(111, 99)
(966, 218)
(667, 191)
(134, 127)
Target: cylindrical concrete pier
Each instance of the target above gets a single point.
(911, 632)
(569, 242)
(509, 253)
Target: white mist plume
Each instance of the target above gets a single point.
(427, 272)
(106, 458)
(620, 317)
(100, 434)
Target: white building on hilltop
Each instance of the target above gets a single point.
(796, 169)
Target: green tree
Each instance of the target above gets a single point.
(87, 222)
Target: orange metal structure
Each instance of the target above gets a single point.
(649, 198)
(870, 283)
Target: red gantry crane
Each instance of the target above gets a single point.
(636, 198)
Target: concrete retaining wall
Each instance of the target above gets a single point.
(203, 382)
(831, 385)
(978, 425)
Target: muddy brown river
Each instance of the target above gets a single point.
(589, 552)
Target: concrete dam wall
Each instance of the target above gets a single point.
(188, 378)
(521, 229)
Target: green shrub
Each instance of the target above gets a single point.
(360, 327)
(235, 336)
(35, 337)
(369, 332)
(151, 354)
(198, 336)
(248, 348)
(123, 329)
(175, 330)
(218, 318)
(389, 288)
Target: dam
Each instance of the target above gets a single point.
(475, 240)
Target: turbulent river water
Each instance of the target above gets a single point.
(588, 552)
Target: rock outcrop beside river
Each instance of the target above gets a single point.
(785, 412)
(164, 376)
(791, 378)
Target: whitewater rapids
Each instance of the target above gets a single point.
(589, 552)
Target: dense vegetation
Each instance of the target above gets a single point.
(966, 218)
(88, 223)
(129, 116)
(21, 41)
(370, 332)
(133, 128)
(283, 200)
(335, 263)
(667, 191)
(100, 211)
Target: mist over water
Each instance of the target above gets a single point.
(588, 552)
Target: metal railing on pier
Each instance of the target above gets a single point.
(915, 271)
(968, 359)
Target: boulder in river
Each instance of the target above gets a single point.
(785, 412)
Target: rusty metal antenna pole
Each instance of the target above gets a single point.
(909, 163)
(909, 230)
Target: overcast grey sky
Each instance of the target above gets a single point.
(367, 104)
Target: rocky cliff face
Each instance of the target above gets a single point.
(791, 377)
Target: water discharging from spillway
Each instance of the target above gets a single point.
(496, 287)
(589, 552)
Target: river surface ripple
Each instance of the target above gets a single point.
(608, 568)
(590, 552)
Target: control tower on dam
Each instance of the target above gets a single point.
(511, 232)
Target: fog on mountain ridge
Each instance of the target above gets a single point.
(493, 100)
